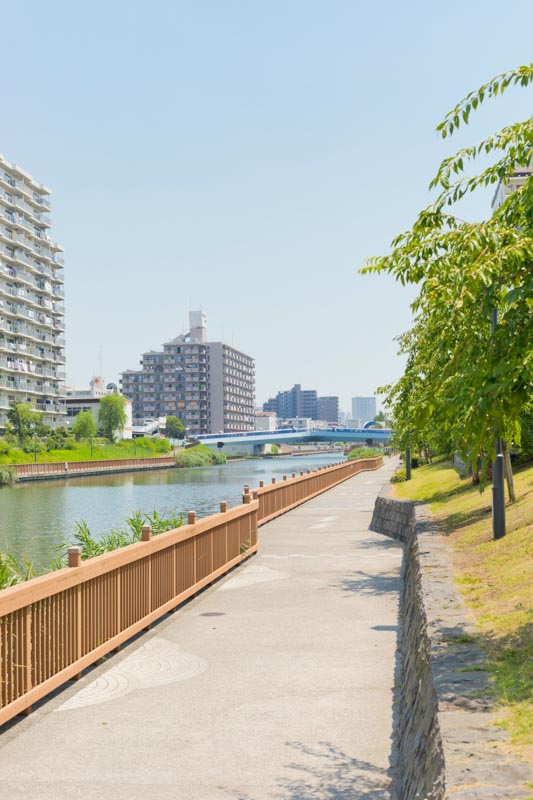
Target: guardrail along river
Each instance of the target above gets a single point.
(36, 518)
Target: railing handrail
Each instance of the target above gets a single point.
(35, 589)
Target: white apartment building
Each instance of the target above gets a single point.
(266, 421)
(32, 355)
(363, 409)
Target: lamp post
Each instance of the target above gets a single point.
(498, 488)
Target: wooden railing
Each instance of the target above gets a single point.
(277, 498)
(54, 626)
(65, 468)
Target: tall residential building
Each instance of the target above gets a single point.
(363, 409)
(327, 408)
(208, 385)
(32, 343)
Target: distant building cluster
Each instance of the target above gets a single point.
(210, 386)
(303, 403)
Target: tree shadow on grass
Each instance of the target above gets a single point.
(462, 519)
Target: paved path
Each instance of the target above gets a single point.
(274, 683)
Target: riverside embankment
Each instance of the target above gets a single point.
(275, 682)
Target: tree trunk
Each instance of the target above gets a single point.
(509, 473)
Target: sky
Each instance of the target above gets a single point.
(245, 157)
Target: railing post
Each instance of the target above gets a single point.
(74, 560)
(74, 556)
(261, 484)
(293, 474)
(146, 533)
(284, 477)
(191, 518)
(223, 507)
(273, 480)
(246, 497)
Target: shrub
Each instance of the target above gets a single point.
(8, 476)
(399, 476)
(364, 452)
(199, 456)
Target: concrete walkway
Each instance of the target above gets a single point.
(274, 683)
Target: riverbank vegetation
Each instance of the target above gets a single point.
(129, 533)
(61, 446)
(199, 456)
(364, 452)
(13, 571)
(496, 579)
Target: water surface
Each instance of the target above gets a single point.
(36, 518)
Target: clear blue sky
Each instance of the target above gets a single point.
(245, 157)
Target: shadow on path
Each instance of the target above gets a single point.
(331, 774)
(368, 584)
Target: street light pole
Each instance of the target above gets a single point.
(498, 488)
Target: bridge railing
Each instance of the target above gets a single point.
(279, 497)
(54, 626)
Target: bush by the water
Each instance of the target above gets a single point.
(92, 546)
(399, 476)
(8, 476)
(199, 456)
(364, 452)
(13, 571)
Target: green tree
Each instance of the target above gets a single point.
(84, 425)
(464, 383)
(112, 414)
(175, 429)
(23, 419)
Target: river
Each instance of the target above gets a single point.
(37, 518)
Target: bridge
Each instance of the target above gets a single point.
(258, 439)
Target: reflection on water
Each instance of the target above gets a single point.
(35, 518)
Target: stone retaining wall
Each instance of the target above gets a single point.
(449, 745)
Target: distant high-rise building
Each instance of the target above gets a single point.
(364, 409)
(32, 342)
(208, 385)
(328, 409)
(295, 402)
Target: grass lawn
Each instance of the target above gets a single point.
(496, 579)
(83, 452)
